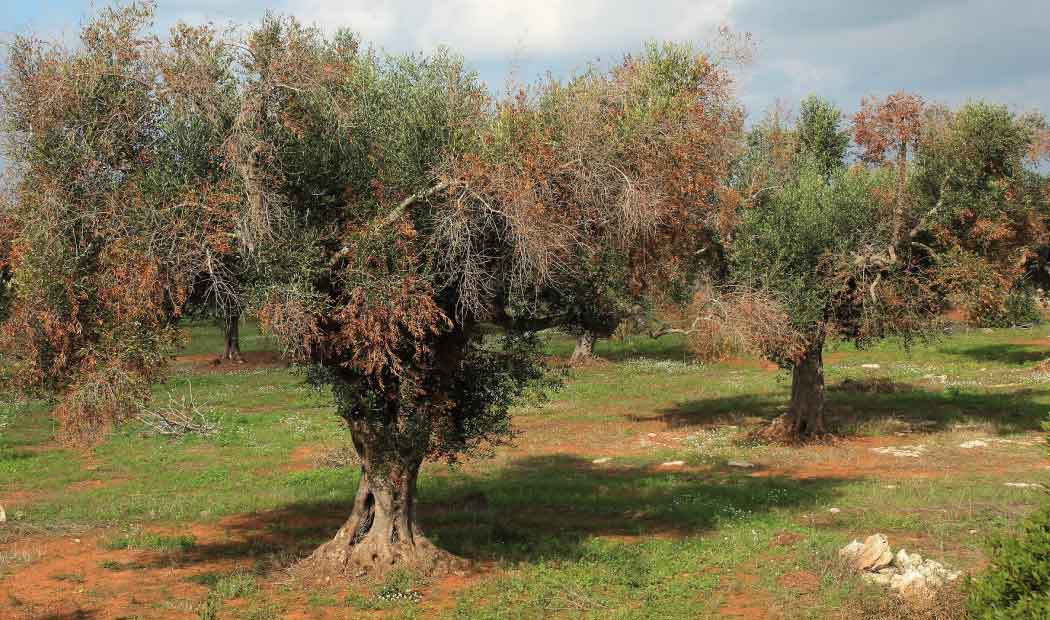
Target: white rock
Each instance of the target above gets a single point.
(902, 451)
(905, 561)
(673, 464)
(851, 550)
(3, 515)
(1023, 485)
(909, 582)
(834, 511)
(976, 443)
(871, 366)
(741, 464)
(601, 461)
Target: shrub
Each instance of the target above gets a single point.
(1019, 308)
(1017, 584)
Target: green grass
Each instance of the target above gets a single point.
(561, 536)
(141, 540)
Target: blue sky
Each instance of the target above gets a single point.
(946, 50)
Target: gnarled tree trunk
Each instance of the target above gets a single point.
(382, 532)
(232, 331)
(804, 419)
(805, 416)
(584, 351)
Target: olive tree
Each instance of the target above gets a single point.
(817, 255)
(388, 205)
(984, 202)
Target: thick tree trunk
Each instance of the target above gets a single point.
(804, 419)
(381, 533)
(232, 332)
(805, 415)
(584, 351)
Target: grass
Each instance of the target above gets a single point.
(557, 534)
(142, 540)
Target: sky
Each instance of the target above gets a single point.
(949, 51)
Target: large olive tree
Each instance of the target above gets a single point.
(388, 204)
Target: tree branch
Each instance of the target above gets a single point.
(395, 215)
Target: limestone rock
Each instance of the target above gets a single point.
(909, 583)
(873, 554)
(904, 560)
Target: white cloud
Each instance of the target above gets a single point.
(493, 29)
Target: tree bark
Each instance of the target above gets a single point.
(805, 416)
(232, 331)
(584, 351)
(382, 532)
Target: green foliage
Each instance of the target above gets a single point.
(235, 585)
(820, 136)
(1017, 584)
(139, 539)
(792, 245)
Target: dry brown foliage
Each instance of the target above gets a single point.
(741, 321)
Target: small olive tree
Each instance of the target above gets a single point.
(816, 256)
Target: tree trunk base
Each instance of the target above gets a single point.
(372, 557)
(804, 420)
(584, 352)
(783, 430)
(379, 536)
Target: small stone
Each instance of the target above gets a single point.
(1023, 485)
(904, 561)
(601, 461)
(834, 511)
(871, 366)
(910, 582)
(673, 464)
(76, 540)
(652, 435)
(3, 515)
(973, 531)
(741, 464)
(889, 486)
(976, 443)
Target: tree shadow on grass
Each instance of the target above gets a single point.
(850, 407)
(1006, 353)
(539, 508)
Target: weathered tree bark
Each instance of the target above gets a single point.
(232, 331)
(584, 351)
(382, 532)
(805, 414)
(804, 419)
